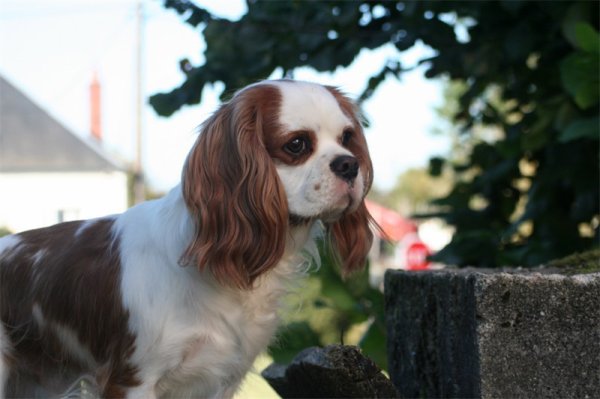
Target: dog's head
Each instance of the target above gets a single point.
(279, 155)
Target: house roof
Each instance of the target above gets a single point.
(33, 141)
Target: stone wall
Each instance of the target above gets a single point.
(475, 333)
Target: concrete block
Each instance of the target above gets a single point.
(491, 334)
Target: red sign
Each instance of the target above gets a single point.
(416, 256)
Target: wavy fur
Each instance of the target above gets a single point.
(232, 190)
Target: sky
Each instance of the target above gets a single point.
(51, 49)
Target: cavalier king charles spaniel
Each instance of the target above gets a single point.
(177, 296)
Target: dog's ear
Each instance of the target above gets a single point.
(351, 236)
(233, 192)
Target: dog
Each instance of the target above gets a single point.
(177, 296)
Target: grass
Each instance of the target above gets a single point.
(254, 386)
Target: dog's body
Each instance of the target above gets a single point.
(176, 297)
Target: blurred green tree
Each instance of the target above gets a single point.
(414, 191)
(529, 72)
(522, 101)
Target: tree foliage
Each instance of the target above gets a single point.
(414, 191)
(331, 310)
(530, 70)
(532, 194)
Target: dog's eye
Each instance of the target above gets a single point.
(347, 136)
(297, 146)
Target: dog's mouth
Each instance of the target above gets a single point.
(350, 204)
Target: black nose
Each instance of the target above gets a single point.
(345, 166)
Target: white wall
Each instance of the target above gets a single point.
(31, 200)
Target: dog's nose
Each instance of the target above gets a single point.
(345, 166)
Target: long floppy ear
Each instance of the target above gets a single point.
(233, 192)
(351, 236)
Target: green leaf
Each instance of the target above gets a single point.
(291, 339)
(373, 345)
(587, 38)
(565, 115)
(338, 293)
(575, 14)
(538, 136)
(581, 128)
(579, 75)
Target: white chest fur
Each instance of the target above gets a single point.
(204, 342)
(194, 337)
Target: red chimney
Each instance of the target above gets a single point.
(95, 115)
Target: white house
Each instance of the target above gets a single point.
(47, 173)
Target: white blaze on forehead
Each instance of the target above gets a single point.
(310, 106)
(313, 190)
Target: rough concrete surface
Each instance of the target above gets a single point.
(335, 371)
(474, 333)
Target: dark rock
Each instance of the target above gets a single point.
(335, 371)
(474, 333)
